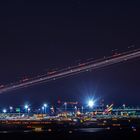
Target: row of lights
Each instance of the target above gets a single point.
(4, 110)
(26, 107)
(90, 104)
(43, 107)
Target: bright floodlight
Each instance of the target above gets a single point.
(45, 105)
(91, 103)
(26, 106)
(4, 110)
(11, 108)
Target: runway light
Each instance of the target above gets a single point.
(91, 103)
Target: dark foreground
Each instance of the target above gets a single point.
(72, 135)
(118, 129)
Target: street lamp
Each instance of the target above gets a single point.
(124, 106)
(26, 108)
(29, 110)
(45, 106)
(65, 104)
(4, 111)
(11, 109)
(75, 108)
(82, 109)
(43, 109)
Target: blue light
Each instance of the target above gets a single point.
(43, 108)
(29, 109)
(11, 108)
(4, 110)
(45, 105)
(91, 103)
(26, 106)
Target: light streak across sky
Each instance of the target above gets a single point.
(84, 67)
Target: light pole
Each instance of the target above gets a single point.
(82, 109)
(124, 106)
(11, 109)
(75, 109)
(29, 110)
(45, 107)
(26, 108)
(4, 111)
(91, 103)
(65, 106)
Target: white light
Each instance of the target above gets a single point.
(124, 105)
(43, 108)
(4, 110)
(45, 105)
(65, 103)
(26, 106)
(11, 108)
(75, 107)
(91, 103)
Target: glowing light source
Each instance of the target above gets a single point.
(45, 105)
(26, 106)
(65, 103)
(91, 103)
(124, 105)
(11, 108)
(4, 110)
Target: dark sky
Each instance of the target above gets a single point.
(36, 37)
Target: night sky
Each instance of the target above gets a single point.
(38, 37)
